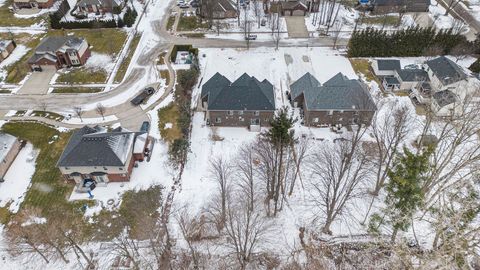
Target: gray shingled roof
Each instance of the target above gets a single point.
(96, 147)
(391, 80)
(83, 3)
(413, 75)
(446, 70)
(444, 98)
(246, 93)
(306, 83)
(388, 64)
(50, 45)
(338, 93)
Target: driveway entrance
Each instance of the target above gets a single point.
(38, 82)
(296, 27)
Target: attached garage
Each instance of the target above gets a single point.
(293, 8)
(298, 12)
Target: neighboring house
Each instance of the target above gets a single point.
(244, 102)
(60, 52)
(410, 78)
(99, 6)
(394, 6)
(338, 102)
(93, 153)
(9, 148)
(444, 103)
(445, 74)
(293, 8)
(386, 67)
(221, 9)
(19, 4)
(6, 48)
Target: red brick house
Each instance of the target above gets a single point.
(99, 6)
(93, 153)
(60, 52)
(6, 48)
(19, 4)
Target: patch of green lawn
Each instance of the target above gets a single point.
(4, 91)
(126, 61)
(362, 66)
(76, 90)
(18, 70)
(83, 75)
(106, 40)
(169, 114)
(170, 22)
(190, 23)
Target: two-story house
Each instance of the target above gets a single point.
(59, 52)
(245, 102)
(445, 74)
(340, 101)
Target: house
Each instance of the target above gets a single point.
(9, 148)
(293, 8)
(59, 52)
(338, 102)
(245, 102)
(444, 103)
(385, 67)
(99, 6)
(395, 6)
(404, 79)
(445, 74)
(19, 4)
(6, 48)
(221, 9)
(95, 154)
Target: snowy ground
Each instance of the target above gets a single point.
(248, 14)
(445, 22)
(18, 53)
(100, 61)
(41, 12)
(474, 7)
(17, 179)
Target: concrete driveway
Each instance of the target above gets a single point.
(38, 82)
(296, 27)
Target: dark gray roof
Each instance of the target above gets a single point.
(413, 75)
(50, 45)
(306, 83)
(446, 70)
(391, 80)
(96, 147)
(246, 93)
(6, 143)
(83, 3)
(444, 98)
(388, 64)
(338, 93)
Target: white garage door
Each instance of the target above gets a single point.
(298, 13)
(48, 68)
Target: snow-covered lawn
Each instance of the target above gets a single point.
(437, 14)
(100, 61)
(18, 53)
(17, 179)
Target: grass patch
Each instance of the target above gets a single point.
(48, 189)
(18, 70)
(82, 75)
(190, 23)
(20, 113)
(362, 66)
(48, 115)
(76, 90)
(401, 93)
(3, 91)
(161, 60)
(382, 20)
(126, 61)
(169, 115)
(105, 40)
(170, 23)
(165, 75)
(193, 35)
(5, 213)
(7, 17)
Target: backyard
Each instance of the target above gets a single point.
(7, 17)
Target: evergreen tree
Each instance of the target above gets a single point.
(404, 190)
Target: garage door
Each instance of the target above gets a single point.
(298, 13)
(48, 68)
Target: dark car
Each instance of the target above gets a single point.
(140, 98)
(251, 37)
(194, 4)
(145, 127)
(184, 6)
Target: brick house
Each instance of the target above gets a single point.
(100, 6)
(60, 52)
(293, 8)
(9, 148)
(338, 102)
(93, 153)
(221, 9)
(6, 48)
(245, 102)
(19, 4)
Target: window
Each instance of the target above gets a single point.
(230, 112)
(355, 113)
(121, 169)
(240, 112)
(255, 121)
(218, 120)
(241, 119)
(330, 112)
(315, 120)
(256, 113)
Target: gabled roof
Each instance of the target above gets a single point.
(388, 64)
(306, 83)
(50, 45)
(114, 3)
(246, 93)
(444, 98)
(96, 147)
(446, 70)
(339, 93)
(289, 5)
(413, 75)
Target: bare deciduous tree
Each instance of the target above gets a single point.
(78, 112)
(100, 109)
(221, 171)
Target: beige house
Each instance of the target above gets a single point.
(10, 146)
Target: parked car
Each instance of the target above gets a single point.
(251, 37)
(140, 98)
(194, 4)
(145, 127)
(180, 2)
(184, 6)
